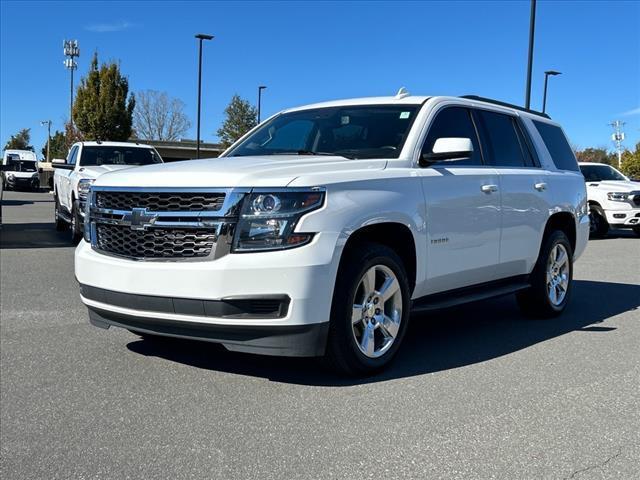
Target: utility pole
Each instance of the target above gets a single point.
(618, 138)
(71, 51)
(546, 80)
(532, 28)
(48, 124)
(260, 88)
(200, 37)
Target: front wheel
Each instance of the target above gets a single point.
(370, 310)
(551, 279)
(76, 232)
(636, 230)
(598, 225)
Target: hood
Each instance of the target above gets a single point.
(265, 171)
(615, 185)
(95, 171)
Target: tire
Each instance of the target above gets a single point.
(551, 279)
(598, 225)
(368, 344)
(76, 233)
(61, 225)
(636, 230)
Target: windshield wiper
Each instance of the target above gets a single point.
(324, 154)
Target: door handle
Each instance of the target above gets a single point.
(540, 186)
(489, 188)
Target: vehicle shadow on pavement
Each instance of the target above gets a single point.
(33, 235)
(441, 340)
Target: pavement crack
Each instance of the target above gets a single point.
(597, 465)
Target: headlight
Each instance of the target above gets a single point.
(87, 218)
(83, 187)
(10, 176)
(617, 196)
(268, 220)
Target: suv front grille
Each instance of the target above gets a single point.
(155, 242)
(161, 201)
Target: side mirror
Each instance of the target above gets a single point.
(58, 161)
(447, 149)
(62, 164)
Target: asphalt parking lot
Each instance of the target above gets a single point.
(476, 392)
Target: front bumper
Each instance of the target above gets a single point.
(23, 182)
(305, 276)
(623, 218)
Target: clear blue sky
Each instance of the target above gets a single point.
(314, 51)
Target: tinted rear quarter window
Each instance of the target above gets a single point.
(501, 141)
(558, 147)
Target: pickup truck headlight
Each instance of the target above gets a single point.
(268, 219)
(617, 196)
(83, 187)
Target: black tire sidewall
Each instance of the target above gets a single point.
(539, 279)
(341, 342)
(602, 226)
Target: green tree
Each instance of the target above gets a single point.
(597, 155)
(20, 141)
(631, 163)
(102, 110)
(58, 146)
(241, 117)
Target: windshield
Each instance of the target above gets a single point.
(600, 173)
(14, 164)
(371, 131)
(106, 155)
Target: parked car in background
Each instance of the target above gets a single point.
(20, 170)
(85, 162)
(319, 231)
(614, 199)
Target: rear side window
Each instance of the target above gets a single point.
(454, 122)
(558, 147)
(503, 144)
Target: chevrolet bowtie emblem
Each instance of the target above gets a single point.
(140, 219)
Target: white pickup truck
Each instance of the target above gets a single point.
(320, 231)
(614, 200)
(85, 162)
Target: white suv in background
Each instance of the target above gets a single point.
(614, 200)
(319, 231)
(85, 162)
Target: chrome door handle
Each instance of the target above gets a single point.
(489, 188)
(540, 186)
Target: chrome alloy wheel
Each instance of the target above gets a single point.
(377, 311)
(557, 274)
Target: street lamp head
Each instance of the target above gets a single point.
(262, 87)
(204, 36)
(552, 72)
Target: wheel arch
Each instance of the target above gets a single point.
(394, 235)
(565, 222)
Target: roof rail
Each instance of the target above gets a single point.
(505, 104)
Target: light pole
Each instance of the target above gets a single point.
(532, 28)
(48, 124)
(71, 51)
(260, 88)
(200, 37)
(553, 73)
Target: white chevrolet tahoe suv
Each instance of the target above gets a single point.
(614, 200)
(85, 162)
(319, 231)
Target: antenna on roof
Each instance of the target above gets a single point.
(402, 93)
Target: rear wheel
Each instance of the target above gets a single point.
(551, 279)
(598, 225)
(60, 223)
(369, 312)
(636, 230)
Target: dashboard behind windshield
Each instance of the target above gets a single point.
(104, 155)
(600, 173)
(371, 131)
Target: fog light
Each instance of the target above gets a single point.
(619, 215)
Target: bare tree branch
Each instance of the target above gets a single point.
(159, 117)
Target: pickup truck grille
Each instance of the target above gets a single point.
(155, 243)
(163, 224)
(163, 201)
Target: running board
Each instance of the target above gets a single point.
(474, 293)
